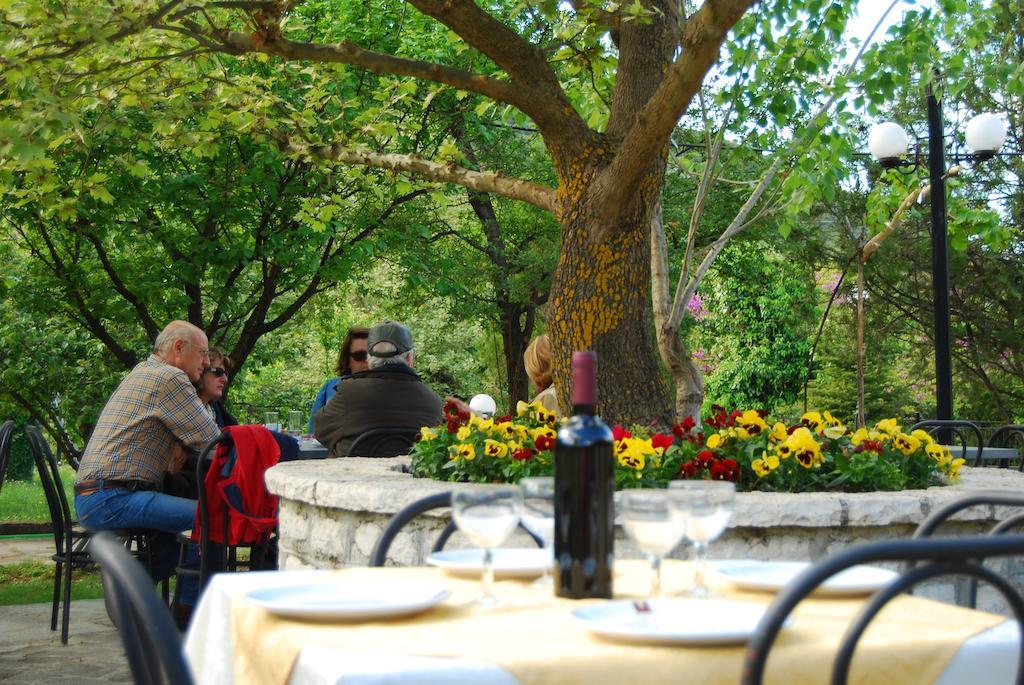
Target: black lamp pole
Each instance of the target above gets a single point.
(940, 261)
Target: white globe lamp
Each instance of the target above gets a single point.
(985, 134)
(483, 406)
(887, 143)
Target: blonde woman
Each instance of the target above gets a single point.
(537, 359)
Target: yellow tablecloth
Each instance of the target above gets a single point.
(534, 637)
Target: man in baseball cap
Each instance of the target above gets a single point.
(388, 395)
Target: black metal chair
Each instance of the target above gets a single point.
(1009, 436)
(384, 441)
(150, 638)
(397, 522)
(963, 430)
(215, 557)
(935, 557)
(943, 514)
(6, 430)
(71, 543)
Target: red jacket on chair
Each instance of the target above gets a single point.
(234, 486)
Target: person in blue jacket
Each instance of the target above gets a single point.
(352, 358)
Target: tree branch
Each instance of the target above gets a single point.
(514, 188)
(703, 35)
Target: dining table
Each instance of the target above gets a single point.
(533, 637)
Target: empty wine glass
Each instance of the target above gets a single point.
(487, 517)
(538, 515)
(708, 506)
(654, 525)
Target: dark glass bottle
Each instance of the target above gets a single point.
(584, 492)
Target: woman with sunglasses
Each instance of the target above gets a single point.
(352, 358)
(211, 387)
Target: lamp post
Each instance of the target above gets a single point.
(888, 144)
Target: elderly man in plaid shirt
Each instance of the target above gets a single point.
(145, 430)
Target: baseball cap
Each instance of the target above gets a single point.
(392, 332)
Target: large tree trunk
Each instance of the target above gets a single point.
(600, 300)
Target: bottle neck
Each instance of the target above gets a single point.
(583, 410)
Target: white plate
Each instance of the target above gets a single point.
(509, 562)
(338, 599)
(674, 621)
(772, 576)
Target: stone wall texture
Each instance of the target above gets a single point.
(333, 511)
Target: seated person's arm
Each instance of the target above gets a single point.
(186, 417)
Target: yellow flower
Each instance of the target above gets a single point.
(543, 431)
(465, 452)
(860, 435)
(805, 448)
(954, 468)
(508, 429)
(907, 444)
(634, 452)
(779, 433)
(714, 440)
(938, 453)
(923, 436)
(464, 433)
(545, 416)
(751, 423)
(888, 426)
(427, 433)
(765, 465)
(522, 408)
(482, 425)
(812, 420)
(493, 448)
(834, 428)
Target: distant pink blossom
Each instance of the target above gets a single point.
(696, 307)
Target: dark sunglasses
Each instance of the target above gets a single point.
(359, 356)
(217, 371)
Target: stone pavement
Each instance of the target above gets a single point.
(30, 653)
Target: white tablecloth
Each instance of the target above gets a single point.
(988, 658)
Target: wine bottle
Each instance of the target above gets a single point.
(584, 492)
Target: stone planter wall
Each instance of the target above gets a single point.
(333, 511)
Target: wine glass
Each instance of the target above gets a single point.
(654, 525)
(487, 517)
(538, 516)
(708, 504)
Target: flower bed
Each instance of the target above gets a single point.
(746, 447)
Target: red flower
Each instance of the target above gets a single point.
(463, 416)
(618, 433)
(736, 413)
(544, 443)
(502, 419)
(727, 469)
(704, 458)
(451, 408)
(689, 469)
(524, 454)
(453, 424)
(683, 428)
(762, 413)
(662, 440)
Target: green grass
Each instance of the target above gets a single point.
(25, 501)
(31, 582)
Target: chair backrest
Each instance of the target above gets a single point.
(935, 557)
(403, 517)
(6, 430)
(149, 635)
(962, 430)
(386, 440)
(394, 526)
(49, 477)
(994, 499)
(1010, 436)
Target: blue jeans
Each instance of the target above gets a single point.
(121, 508)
